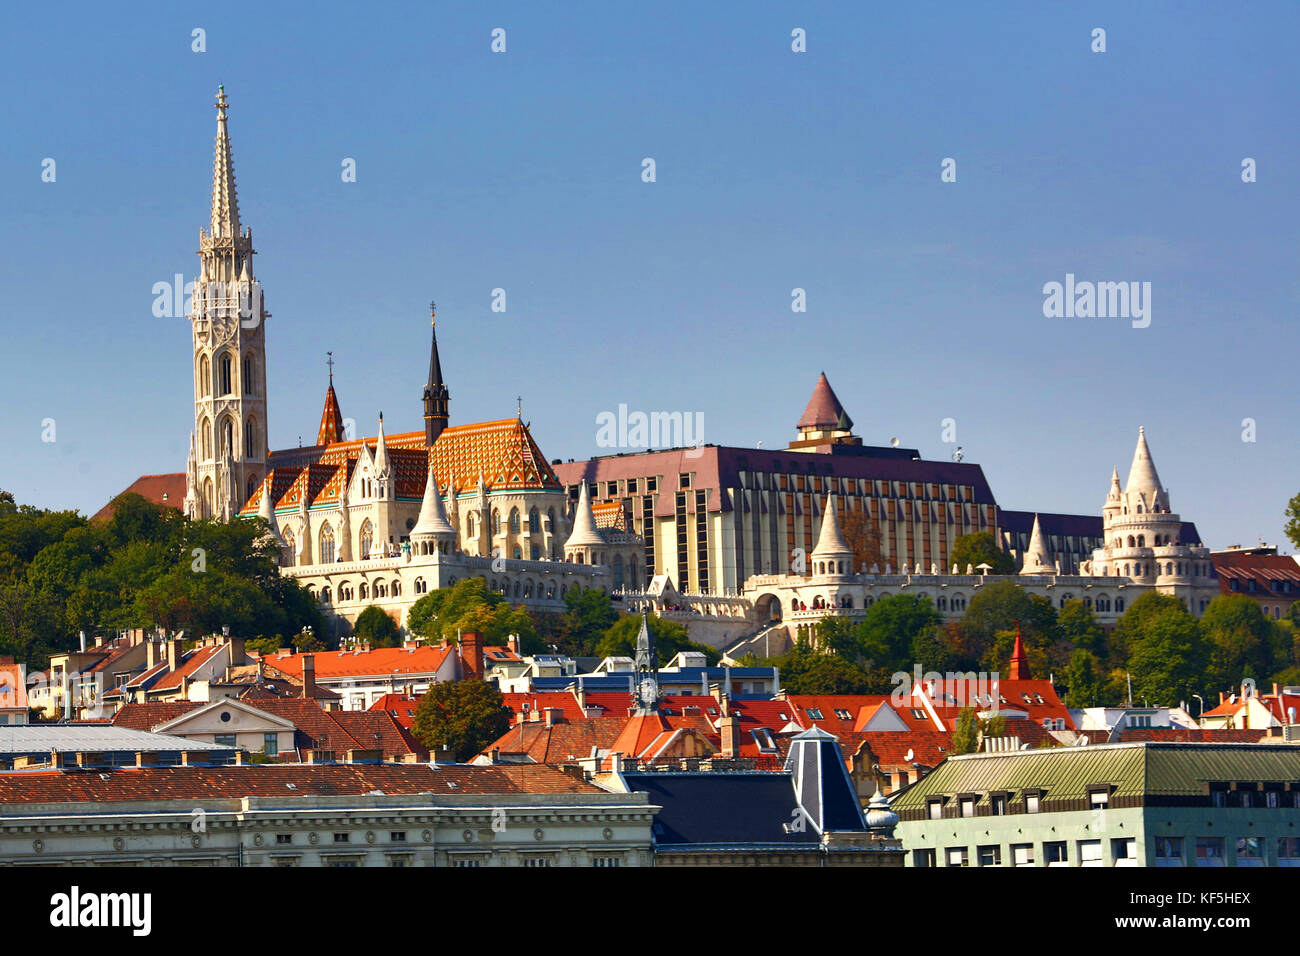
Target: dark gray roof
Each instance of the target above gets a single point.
(722, 807)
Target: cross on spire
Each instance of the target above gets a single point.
(433, 313)
(329, 360)
(519, 406)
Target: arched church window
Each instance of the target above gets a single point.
(1142, 541)
(248, 375)
(227, 374)
(618, 570)
(205, 440)
(1139, 509)
(1132, 542)
(469, 526)
(250, 439)
(227, 436)
(514, 520)
(205, 376)
(534, 521)
(367, 539)
(327, 545)
(290, 553)
(496, 522)
(252, 486)
(550, 520)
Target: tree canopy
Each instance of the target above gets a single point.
(464, 716)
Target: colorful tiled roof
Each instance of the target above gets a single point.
(379, 662)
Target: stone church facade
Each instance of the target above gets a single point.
(379, 520)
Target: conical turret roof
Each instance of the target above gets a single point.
(433, 519)
(830, 542)
(331, 419)
(824, 409)
(1038, 560)
(584, 532)
(1142, 477)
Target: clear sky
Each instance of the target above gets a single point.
(775, 170)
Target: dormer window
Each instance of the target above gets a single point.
(815, 713)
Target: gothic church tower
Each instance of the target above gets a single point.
(228, 449)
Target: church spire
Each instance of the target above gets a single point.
(225, 204)
(381, 452)
(1018, 668)
(1142, 477)
(436, 395)
(646, 691)
(331, 419)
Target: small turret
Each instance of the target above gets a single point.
(832, 556)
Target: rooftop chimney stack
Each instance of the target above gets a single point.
(309, 676)
(471, 655)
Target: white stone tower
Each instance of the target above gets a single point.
(229, 444)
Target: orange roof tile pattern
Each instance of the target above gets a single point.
(381, 661)
(166, 490)
(331, 419)
(503, 451)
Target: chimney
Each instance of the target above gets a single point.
(173, 653)
(151, 654)
(729, 728)
(471, 654)
(495, 754)
(83, 640)
(581, 695)
(553, 715)
(58, 760)
(512, 642)
(309, 676)
(237, 655)
(99, 640)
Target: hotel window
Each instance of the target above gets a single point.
(631, 486)
(283, 838)
(1090, 853)
(342, 837)
(467, 861)
(999, 804)
(611, 489)
(1272, 799)
(989, 855)
(605, 861)
(1055, 853)
(968, 806)
(1031, 802)
(1099, 799)
(923, 857)
(684, 480)
(1124, 851)
(397, 836)
(537, 861)
(1250, 851)
(652, 483)
(1288, 851)
(957, 856)
(1218, 795)
(1169, 851)
(1022, 854)
(935, 807)
(400, 859)
(1209, 851)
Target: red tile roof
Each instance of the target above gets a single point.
(824, 409)
(194, 659)
(280, 780)
(379, 662)
(166, 490)
(560, 742)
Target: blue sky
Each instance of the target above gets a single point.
(775, 170)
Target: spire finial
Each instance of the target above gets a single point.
(519, 406)
(329, 360)
(225, 204)
(433, 313)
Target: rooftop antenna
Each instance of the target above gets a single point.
(958, 454)
(894, 442)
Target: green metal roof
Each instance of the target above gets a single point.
(1134, 769)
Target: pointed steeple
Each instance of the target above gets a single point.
(1037, 558)
(824, 409)
(1142, 477)
(381, 452)
(331, 419)
(433, 519)
(453, 509)
(832, 552)
(225, 204)
(266, 510)
(646, 692)
(1018, 668)
(584, 533)
(436, 395)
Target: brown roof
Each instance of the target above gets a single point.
(150, 715)
(279, 780)
(824, 409)
(561, 742)
(166, 490)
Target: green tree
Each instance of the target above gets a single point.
(1292, 515)
(1083, 680)
(884, 635)
(463, 716)
(1133, 622)
(374, 624)
(670, 639)
(437, 615)
(1239, 639)
(989, 625)
(808, 671)
(1079, 628)
(935, 649)
(1168, 659)
(966, 733)
(589, 614)
(978, 548)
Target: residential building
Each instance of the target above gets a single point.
(1269, 579)
(1128, 804)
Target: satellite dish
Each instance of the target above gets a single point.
(908, 756)
(957, 455)
(893, 442)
